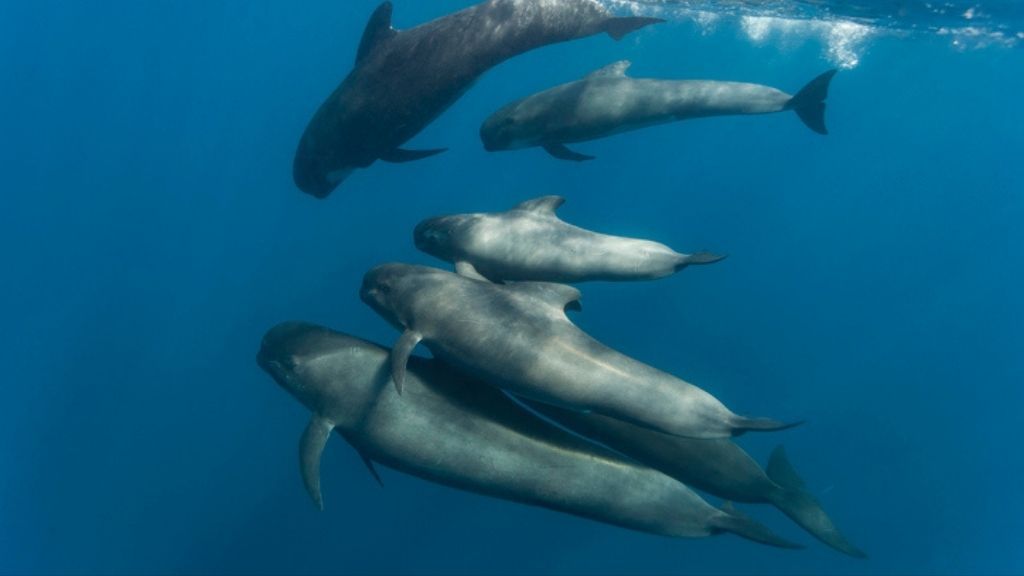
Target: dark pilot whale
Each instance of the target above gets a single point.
(530, 242)
(608, 102)
(718, 467)
(473, 437)
(518, 338)
(403, 80)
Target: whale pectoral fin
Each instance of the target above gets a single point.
(463, 268)
(371, 468)
(542, 205)
(310, 448)
(400, 356)
(698, 258)
(400, 155)
(378, 29)
(366, 460)
(618, 27)
(562, 152)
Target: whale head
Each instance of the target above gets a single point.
(336, 142)
(511, 127)
(396, 291)
(323, 369)
(318, 172)
(337, 377)
(317, 181)
(441, 236)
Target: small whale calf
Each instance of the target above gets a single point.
(403, 80)
(517, 337)
(608, 102)
(718, 467)
(470, 436)
(530, 242)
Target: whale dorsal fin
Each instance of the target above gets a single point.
(612, 70)
(310, 448)
(378, 29)
(467, 270)
(542, 205)
(561, 296)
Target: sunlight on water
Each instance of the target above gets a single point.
(845, 28)
(976, 37)
(844, 41)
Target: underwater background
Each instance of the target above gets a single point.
(152, 234)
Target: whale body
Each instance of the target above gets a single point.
(403, 80)
(474, 438)
(608, 102)
(530, 242)
(518, 338)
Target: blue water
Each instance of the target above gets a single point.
(152, 233)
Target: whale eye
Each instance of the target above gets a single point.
(385, 288)
(509, 121)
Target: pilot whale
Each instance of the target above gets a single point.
(530, 242)
(517, 337)
(718, 467)
(608, 102)
(473, 437)
(403, 80)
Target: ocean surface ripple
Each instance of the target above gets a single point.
(845, 28)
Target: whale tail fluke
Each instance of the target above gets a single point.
(699, 258)
(619, 27)
(742, 425)
(794, 501)
(734, 521)
(809, 102)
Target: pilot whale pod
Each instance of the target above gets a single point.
(530, 242)
(403, 80)
(718, 467)
(517, 337)
(608, 102)
(474, 438)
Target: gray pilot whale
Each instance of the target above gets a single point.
(718, 467)
(474, 438)
(517, 337)
(530, 242)
(403, 80)
(608, 102)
